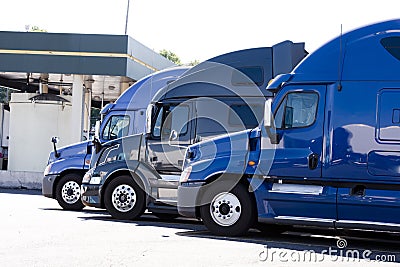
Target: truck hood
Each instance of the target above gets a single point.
(226, 153)
(224, 145)
(73, 150)
(128, 148)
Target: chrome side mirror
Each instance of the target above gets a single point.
(268, 113)
(97, 129)
(269, 122)
(173, 136)
(149, 114)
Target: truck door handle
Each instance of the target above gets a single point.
(358, 190)
(313, 161)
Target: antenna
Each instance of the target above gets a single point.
(126, 19)
(342, 55)
(340, 59)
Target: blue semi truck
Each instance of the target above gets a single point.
(326, 155)
(67, 165)
(220, 95)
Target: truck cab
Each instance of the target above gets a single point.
(326, 154)
(219, 96)
(67, 165)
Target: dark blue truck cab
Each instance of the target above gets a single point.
(218, 96)
(127, 116)
(327, 154)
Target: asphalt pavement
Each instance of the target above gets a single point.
(35, 231)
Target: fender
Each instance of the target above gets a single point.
(72, 163)
(137, 169)
(205, 169)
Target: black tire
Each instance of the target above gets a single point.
(165, 216)
(124, 199)
(68, 192)
(238, 209)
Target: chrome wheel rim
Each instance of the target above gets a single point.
(71, 192)
(123, 198)
(225, 209)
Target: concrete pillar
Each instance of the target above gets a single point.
(43, 84)
(78, 102)
(123, 85)
(87, 113)
(43, 88)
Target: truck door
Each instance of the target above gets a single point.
(299, 122)
(172, 133)
(297, 191)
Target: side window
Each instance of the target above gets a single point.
(246, 75)
(158, 123)
(279, 114)
(176, 119)
(392, 45)
(245, 114)
(297, 110)
(116, 127)
(171, 118)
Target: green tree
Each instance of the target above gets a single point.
(171, 56)
(36, 29)
(194, 62)
(5, 94)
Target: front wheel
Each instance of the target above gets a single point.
(230, 212)
(124, 199)
(68, 192)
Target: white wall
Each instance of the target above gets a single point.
(31, 127)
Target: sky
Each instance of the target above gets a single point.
(198, 30)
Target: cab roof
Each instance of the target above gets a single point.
(367, 53)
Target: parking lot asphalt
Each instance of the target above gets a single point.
(35, 231)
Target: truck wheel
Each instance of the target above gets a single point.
(68, 192)
(124, 199)
(230, 212)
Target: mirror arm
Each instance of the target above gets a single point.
(97, 145)
(273, 137)
(54, 141)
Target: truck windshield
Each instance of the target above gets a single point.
(116, 127)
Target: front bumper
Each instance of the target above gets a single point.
(48, 185)
(187, 200)
(91, 195)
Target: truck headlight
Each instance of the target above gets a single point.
(95, 180)
(87, 176)
(92, 177)
(185, 174)
(47, 169)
